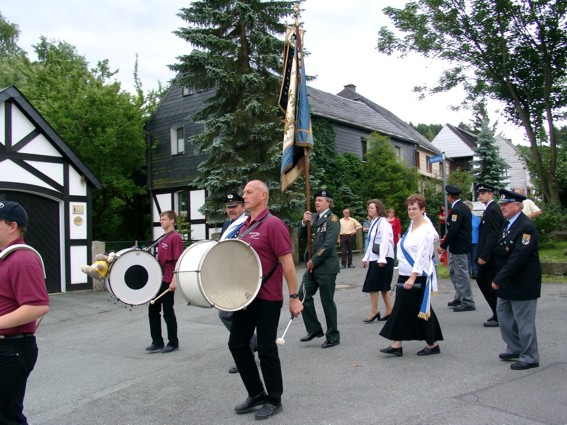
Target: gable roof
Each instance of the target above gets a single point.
(12, 94)
(395, 126)
(467, 137)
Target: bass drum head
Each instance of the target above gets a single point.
(135, 276)
(231, 275)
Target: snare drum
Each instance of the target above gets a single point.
(226, 275)
(134, 276)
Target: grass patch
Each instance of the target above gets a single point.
(553, 251)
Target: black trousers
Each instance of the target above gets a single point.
(484, 277)
(154, 311)
(17, 360)
(264, 316)
(347, 241)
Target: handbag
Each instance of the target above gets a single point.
(376, 245)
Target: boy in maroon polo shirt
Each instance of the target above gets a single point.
(23, 299)
(170, 248)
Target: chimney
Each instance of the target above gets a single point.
(351, 87)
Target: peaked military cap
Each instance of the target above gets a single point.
(233, 199)
(485, 187)
(452, 190)
(324, 193)
(509, 196)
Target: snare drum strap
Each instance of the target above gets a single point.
(265, 279)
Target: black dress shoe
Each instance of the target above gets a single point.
(250, 403)
(464, 307)
(508, 356)
(330, 343)
(154, 348)
(398, 352)
(428, 351)
(453, 303)
(491, 323)
(384, 318)
(233, 369)
(310, 336)
(523, 365)
(267, 410)
(373, 318)
(169, 348)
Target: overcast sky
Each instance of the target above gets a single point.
(340, 35)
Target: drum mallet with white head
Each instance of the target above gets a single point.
(281, 341)
(159, 296)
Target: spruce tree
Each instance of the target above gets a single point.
(488, 165)
(238, 52)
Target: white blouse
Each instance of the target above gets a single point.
(380, 229)
(419, 243)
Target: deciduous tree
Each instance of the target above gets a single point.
(514, 51)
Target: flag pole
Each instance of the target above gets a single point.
(299, 41)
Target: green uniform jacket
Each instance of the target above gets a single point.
(325, 233)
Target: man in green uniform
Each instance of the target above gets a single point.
(322, 269)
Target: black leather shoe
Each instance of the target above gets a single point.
(169, 348)
(508, 356)
(453, 303)
(428, 351)
(383, 319)
(398, 352)
(154, 348)
(464, 307)
(311, 335)
(267, 410)
(233, 369)
(330, 343)
(523, 365)
(373, 318)
(491, 323)
(250, 403)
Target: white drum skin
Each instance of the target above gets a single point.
(226, 275)
(134, 277)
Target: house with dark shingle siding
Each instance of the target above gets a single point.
(172, 161)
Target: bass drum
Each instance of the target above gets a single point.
(226, 275)
(134, 276)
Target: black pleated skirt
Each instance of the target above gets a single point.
(379, 278)
(403, 324)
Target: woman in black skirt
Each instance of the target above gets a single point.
(381, 264)
(409, 320)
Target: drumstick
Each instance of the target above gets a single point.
(159, 296)
(281, 341)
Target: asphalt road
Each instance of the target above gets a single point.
(93, 369)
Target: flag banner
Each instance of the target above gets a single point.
(298, 134)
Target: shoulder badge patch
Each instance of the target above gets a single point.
(526, 237)
(334, 218)
(454, 217)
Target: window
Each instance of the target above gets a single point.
(363, 148)
(398, 152)
(417, 161)
(429, 164)
(177, 141)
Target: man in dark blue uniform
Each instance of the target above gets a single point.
(236, 213)
(458, 242)
(322, 269)
(489, 232)
(518, 283)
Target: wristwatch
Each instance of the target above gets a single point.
(294, 295)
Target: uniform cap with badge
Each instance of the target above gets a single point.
(485, 187)
(324, 193)
(507, 196)
(233, 199)
(452, 190)
(12, 211)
